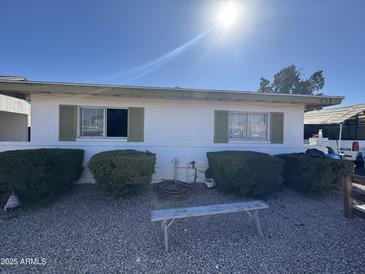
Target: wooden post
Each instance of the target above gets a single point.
(347, 188)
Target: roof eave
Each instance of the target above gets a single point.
(29, 87)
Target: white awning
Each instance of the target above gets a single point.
(11, 104)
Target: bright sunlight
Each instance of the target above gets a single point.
(228, 14)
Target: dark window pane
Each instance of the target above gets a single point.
(329, 131)
(117, 122)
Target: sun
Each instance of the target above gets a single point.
(228, 14)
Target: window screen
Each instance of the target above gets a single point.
(248, 126)
(237, 126)
(117, 122)
(258, 124)
(91, 122)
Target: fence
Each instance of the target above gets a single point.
(354, 199)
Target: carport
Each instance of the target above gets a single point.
(345, 123)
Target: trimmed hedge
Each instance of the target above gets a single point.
(313, 175)
(360, 171)
(123, 172)
(245, 173)
(38, 175)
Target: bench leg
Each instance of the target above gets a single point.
(165, 225)
(166, 235)
(257, 222)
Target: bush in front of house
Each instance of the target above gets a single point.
(123, 172)
(360, 171)
(313, 174)
(340, 169)
(245, 173)
(38, 175)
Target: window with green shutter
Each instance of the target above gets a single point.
(101, 122)
(248, 126)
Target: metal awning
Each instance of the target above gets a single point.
(332, 116)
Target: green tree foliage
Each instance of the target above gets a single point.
(265, 85)
(288, 81)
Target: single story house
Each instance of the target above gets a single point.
(14, 119)
(180, 125)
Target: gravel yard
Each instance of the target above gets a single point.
(87, 231)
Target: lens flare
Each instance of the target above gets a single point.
(228, 14)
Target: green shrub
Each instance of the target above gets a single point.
(245, 173)
(123, 172)
(38, 175)
(313, 175)
(340, 169)
(360, 171)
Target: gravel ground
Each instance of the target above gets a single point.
(87, 231)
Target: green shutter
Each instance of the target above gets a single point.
(67, 123)
(277, 127)
(220, 126)
(135, 124)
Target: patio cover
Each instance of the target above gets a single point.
(332, 116)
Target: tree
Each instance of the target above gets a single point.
(288, 81)
(265, 85)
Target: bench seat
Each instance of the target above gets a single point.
(178, 213)
(167, 216)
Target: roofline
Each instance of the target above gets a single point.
(29, 87)
(339, 108)
(345, 111)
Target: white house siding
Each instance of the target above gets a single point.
(181, 129)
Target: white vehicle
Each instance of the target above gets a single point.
(338, 131)
(348, 150)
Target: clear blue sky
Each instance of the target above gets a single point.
(84, 41)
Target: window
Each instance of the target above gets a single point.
(103, 122)
(258, 126)
(117, 122)
(237, 126)
(92, 122)
(245, 126)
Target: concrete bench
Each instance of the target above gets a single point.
(167, 216)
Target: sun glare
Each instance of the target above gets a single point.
(228, 14)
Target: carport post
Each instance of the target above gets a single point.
(339, 140)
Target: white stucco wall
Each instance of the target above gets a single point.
(181, 129)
